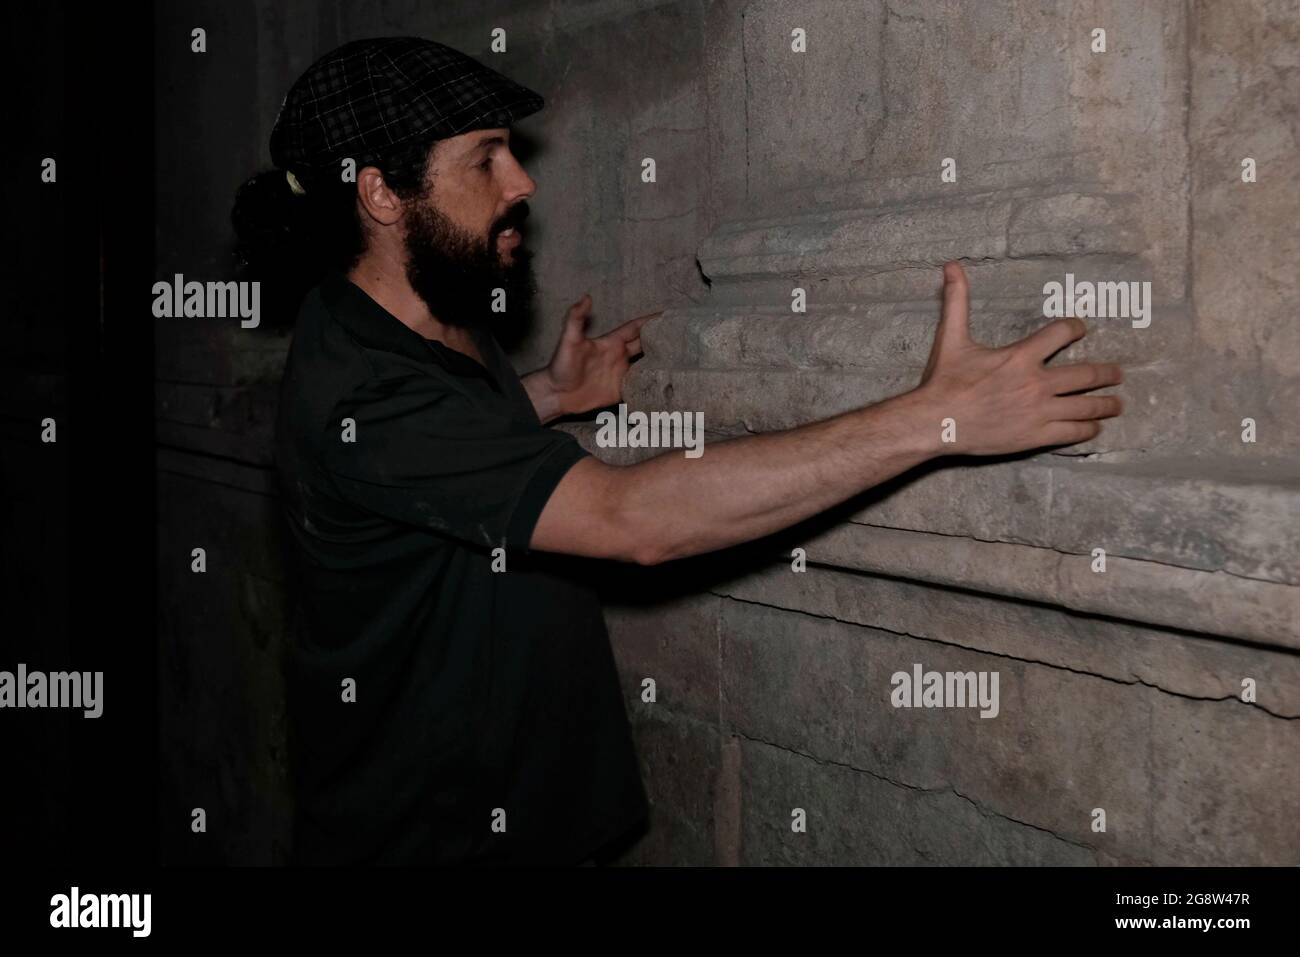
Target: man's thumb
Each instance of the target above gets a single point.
(954, 322)
(575, 320)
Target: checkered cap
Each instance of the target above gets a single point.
(369, 97)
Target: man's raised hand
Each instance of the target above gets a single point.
(587, 373)
(1006, 399)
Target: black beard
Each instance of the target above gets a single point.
(456, 273)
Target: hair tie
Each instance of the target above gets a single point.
(294, 185)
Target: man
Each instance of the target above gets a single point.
(452, 694)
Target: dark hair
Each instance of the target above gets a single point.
(290, 241)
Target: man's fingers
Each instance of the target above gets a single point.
(1068, 433)
(954, 323)
(1078, 408)
(632, 328)
(575, 320)
(633, 348)
(1053, 337)
(1083, 376)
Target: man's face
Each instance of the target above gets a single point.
(463, 236)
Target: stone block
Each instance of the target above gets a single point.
(675, 643)
(857, 819)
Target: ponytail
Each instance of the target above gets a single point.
(292, 229)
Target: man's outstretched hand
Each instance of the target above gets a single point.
(585, 373)
(1007, 400)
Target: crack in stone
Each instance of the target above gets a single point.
(903, 785)
(892, 14)
(1068, 554)
(1010, 657)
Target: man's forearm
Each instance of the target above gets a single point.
(745, 488)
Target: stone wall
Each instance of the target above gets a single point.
(821, 170)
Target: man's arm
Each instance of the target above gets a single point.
(1002, 401)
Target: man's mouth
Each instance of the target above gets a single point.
(509, 238)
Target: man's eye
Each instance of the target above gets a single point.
(486, 163)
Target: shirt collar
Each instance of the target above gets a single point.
(376, 327)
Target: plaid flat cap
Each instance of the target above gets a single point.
(370, 96)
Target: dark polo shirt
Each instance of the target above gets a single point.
(482, 697)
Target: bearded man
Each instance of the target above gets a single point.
(451, 689)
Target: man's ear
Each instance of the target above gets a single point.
(379, 202)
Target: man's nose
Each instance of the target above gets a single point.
(519, 185)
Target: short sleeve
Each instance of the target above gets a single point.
(427, 454)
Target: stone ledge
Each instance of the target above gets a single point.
(1178, 663)
(1212, 603)
(1207, 515)
(1000, 226)
(874, 334)
(920, 281)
